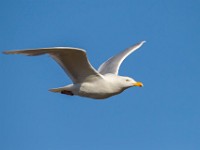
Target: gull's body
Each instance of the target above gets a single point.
(87, 81)
(97, 88)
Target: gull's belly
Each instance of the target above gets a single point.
(98, 90)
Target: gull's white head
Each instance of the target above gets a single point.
(129, 82)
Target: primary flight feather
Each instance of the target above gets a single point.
(87, 81)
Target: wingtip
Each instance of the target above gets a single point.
(5, 52)
(9, 52)
(143, 42)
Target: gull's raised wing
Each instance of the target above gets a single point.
(112, 65)
(73, 60)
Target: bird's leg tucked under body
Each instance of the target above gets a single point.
(67, 92)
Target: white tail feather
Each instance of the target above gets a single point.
(57, 90)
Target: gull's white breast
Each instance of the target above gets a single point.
(99, 89)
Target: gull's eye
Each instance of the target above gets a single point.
(127, 80)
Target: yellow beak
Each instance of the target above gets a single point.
(138, 84)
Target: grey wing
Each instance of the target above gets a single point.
(73, 60)
(112, 65)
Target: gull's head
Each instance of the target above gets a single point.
(129, 82)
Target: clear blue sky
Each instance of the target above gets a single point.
(164, 115)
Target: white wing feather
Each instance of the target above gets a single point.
(73, 60)
(112, 65)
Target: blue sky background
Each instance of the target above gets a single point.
(164, 115)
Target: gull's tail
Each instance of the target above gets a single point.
(62, 90)
(58, 90)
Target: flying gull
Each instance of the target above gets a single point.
(87, 81)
